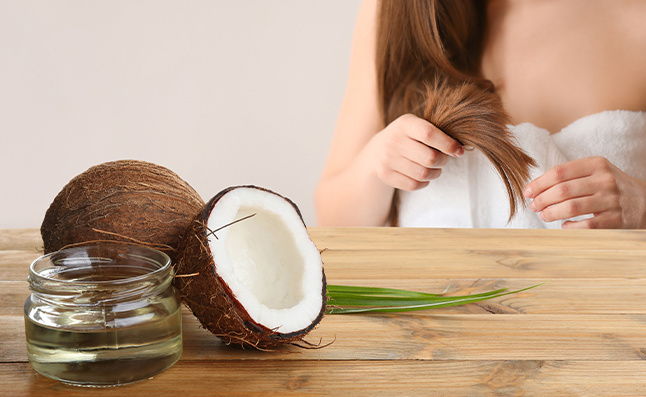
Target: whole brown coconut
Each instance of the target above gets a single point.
(249, 271)
(127, 200)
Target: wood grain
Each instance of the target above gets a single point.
(348, 378)
(425, 238)
(21, 239)
(384, 238)
(583, 333)
(558, 296)
(484, 263)
(14, 265)
(425, 336)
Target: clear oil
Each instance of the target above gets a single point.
(106, 356)
(102, 315)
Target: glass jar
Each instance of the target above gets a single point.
(103, 315)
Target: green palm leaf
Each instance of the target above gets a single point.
(350, 299)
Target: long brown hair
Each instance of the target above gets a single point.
(428, 64)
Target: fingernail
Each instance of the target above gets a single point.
(528, 192)
(532, 207)
(541, 216)
(459, 152)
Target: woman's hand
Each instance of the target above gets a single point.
(590, 185)
(410, 152)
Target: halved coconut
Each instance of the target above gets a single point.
(249, 271)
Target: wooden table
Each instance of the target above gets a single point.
(581, 334)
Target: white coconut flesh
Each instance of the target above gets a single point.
(268, 261)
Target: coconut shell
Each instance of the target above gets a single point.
(127, 200)
(210, 298)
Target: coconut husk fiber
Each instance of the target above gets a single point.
(127, 200)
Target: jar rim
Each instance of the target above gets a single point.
(161, 261)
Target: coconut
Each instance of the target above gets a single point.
(127, 200)
(249, 271)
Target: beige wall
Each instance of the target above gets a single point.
(221, 92)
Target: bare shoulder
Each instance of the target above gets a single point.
(556, 61)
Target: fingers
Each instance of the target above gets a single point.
(563, 191)
(423, 155)
(403, 182)
(561, 173)
(577, 207)
(426, 133)
(411, 151)
(407, 175)
(581, 187)
(576, 197)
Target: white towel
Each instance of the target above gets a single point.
(618, 135)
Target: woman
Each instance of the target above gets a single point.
(555, 65)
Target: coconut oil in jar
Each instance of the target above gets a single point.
(103, 315)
